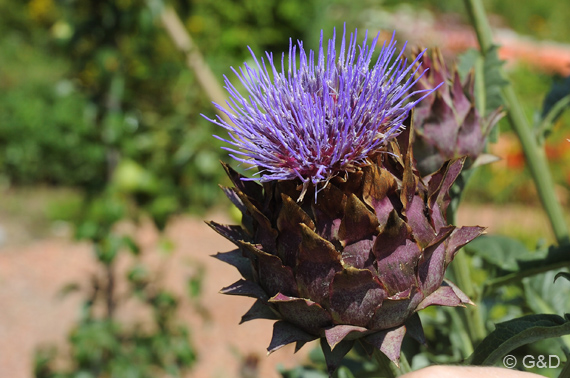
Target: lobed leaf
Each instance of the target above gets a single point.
(518, 332)
(558, 91)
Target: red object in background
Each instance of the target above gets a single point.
(547, 56)
(554, 152)
(509, 149)
(453, 37)
(515, 160)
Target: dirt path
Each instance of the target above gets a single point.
(32, 314)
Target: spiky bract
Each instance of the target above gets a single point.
(447, 122)
(356, 264)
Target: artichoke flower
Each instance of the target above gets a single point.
(341, 239)
(447, 122)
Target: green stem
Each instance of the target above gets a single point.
(474, 319)
(492, 284)
(548, 120)
(534, 155)
(404, 364)
(466, 344)
(462, 274)
(479, 20)
(387, 368)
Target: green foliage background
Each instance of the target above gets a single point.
(95, 91)
(92, 89)
(77, 97)
(95, 96)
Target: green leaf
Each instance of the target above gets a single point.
(68, 289)
(195, 283)
(543, 127)
(500, 251)
(466, 62)
(457, 190)
(344, 372)
(494, 80)
(558, 91)
(518, 332)
(131, 177)
(544, 297)
(488, 78)
(138, 274)
(161, 209)
(565, 373)
(131, 245)
(555, 257)
(302, 372)
(565, 275)
(556, 101)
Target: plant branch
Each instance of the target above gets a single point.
(466, 344)
(461, 272)
(473, 314)
(548, 121)
(518, 276)
(194, 58)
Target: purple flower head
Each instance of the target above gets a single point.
(324, 114)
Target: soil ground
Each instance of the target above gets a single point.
(32, 313)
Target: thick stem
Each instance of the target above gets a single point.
(479, 21)
(466, 344)
(473, 314)
(387, 368)
(462, 274)
(534, 155)
(404, 364)
(538, 166)
(518, 276)
(194, 59)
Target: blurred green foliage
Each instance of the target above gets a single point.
(42, 120)
(86, 87)
(106, 348)
(94, 95)
(89, 86)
